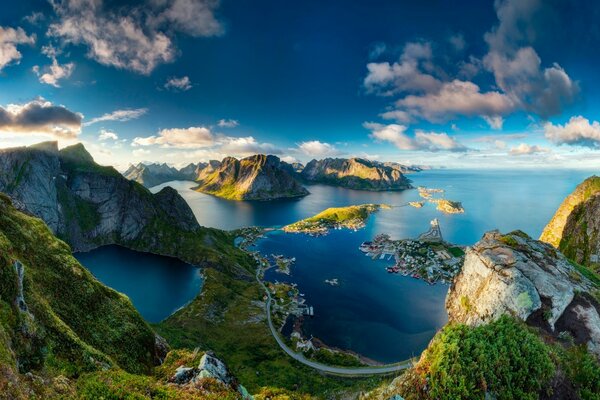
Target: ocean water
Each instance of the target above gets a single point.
(382, 316)
(156, 285)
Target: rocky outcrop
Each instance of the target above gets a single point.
(575, 227)
(514, 274)
(209, 367)
(257, 177)
(357, 173)
(151, 175)
(89, 205)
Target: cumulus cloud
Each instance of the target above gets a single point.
(119, 115)
(52, 74)
(315, 148)
(107, 135)
(429, 88)
(424, 141)
(526, 149)
(405, 75)
(136, 38)
(228, 123)
(183, 138)
(179, 84)
(456, 98)
(10, 38)
(516, 66)
(577, 131)
(40, 117)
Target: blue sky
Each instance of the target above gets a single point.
(447, 83)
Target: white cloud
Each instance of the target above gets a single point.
(107, 135)
(179, 84)
(40, 117)
(423, 141)
(137, 38)
(140, 152)
(526, 149)
(315, 148)
(10, 38)
(184, 138)
(244, 146)
(119, 115)
(457, 41)
(228, 123)
(52, 74)
(577, 131)
(453, 99)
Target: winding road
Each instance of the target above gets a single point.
(349, 371)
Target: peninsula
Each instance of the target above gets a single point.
(351, 217)
(448, 206)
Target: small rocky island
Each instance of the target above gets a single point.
(448, 206)
(352, 217)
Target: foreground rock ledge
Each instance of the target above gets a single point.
(528, 279)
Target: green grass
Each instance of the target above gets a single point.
(456, 251)
(588, 273)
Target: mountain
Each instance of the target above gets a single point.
(575, 227)
(151, 175)
(258, 177)
(89, 205)
(64, 335)
(524, 322)
(356, 173)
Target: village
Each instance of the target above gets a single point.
(428, 257)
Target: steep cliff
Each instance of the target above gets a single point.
(356, 173)
(257, 177)
(89, 205)
(575, 227)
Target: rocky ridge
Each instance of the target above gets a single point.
(151, 175)
(89, 205)
(357, 173)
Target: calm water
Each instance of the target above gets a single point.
(156, 285)
(386, 317)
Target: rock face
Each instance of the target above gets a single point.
(528, 279)
(151, 175)
(357, 173)
(88, 205)
(257, 177)
(575, 228)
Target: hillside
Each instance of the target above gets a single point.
(575, 227)
(257, 177)
(356, 173)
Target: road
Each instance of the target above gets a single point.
(350, 371)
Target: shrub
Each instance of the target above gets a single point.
(503, 358)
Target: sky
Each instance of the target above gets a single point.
(469, 84)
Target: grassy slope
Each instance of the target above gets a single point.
(77, 324)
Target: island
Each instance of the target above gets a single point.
(351, 217)
(448, 206)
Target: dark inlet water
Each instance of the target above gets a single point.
(387, 317)
(156, 285)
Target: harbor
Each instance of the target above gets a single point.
(428, 257)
